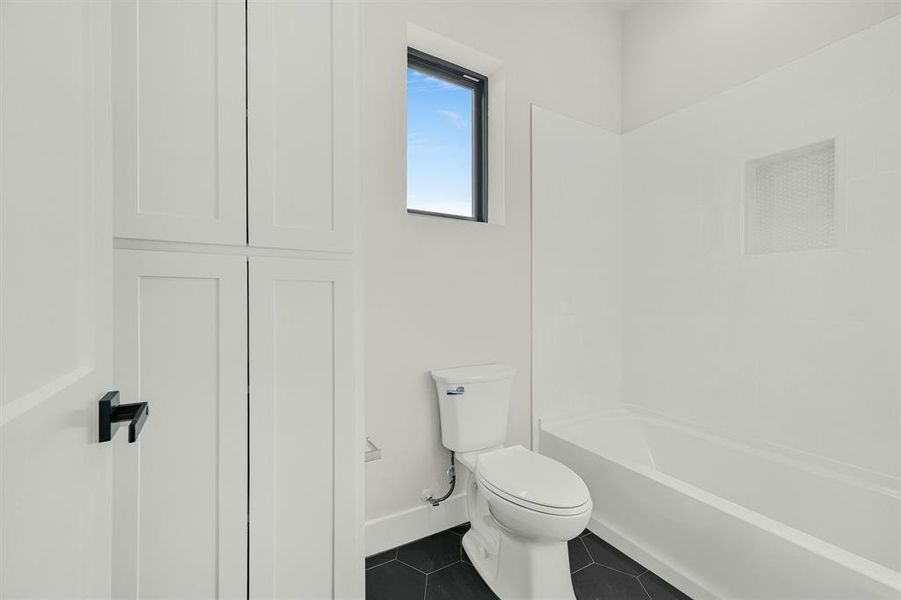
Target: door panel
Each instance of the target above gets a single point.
(301, 392)
(179, 120)
(302, 123)
(55, 298)
(180, 494)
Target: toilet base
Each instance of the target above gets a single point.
(521, 569)
(515, 567)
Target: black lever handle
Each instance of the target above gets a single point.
(113, 412)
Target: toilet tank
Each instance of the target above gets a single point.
(473, 403)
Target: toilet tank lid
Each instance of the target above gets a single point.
(474, 374)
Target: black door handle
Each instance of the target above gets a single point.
(113, 412)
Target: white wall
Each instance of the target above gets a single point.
(679, 53)
(700, 318)
(799, 349)
(440, 292)
(576, 267)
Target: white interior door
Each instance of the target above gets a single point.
(180, 492)
(55, 263)
(179, 115)
(304, 455)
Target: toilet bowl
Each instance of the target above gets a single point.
(523, 507)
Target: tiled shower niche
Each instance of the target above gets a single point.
(789, 202)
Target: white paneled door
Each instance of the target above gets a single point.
(303, 449)
(55, 297)
(179, 116)
(180, 494)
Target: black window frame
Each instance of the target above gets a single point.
(478, 83)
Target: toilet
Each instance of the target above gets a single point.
(523, 507)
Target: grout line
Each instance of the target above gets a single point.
(390, 560)
(645, 589)
(580, 569)
(646, 570)
(445, 567)
(584, 545)
(412, 567)
(617, 570)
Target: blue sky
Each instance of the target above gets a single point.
(439, 145)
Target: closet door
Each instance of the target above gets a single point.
(179, 120)
(180, 492)
(302, 106)
(302, 450)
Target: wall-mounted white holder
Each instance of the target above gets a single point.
(372, 452)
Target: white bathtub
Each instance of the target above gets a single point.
(724, 519)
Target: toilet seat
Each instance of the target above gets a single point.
(529, 506)
(533, 482)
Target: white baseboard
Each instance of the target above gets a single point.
(412, 524)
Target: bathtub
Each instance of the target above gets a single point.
(722, 518)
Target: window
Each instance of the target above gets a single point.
(447, 139)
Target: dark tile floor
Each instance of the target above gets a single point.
(437, 568)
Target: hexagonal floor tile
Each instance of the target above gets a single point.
(394, 581)
(658, 589)
(460, 529)
(457, 582)
(595, 582)
(605, 554)
(431, 553)
(381, 558)
(578, 555)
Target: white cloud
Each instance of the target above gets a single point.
(456, 119)
(422, 82)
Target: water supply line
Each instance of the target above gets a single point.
(452, 479)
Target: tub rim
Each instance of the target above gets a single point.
(813, 463)
(811, 543)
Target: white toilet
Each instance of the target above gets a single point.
(523, 506)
